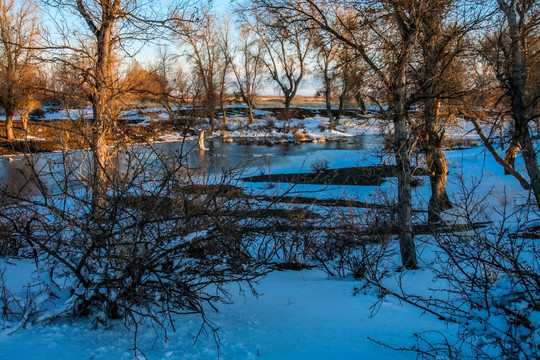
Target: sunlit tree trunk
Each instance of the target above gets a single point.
(24, 120)
(102, 105)
(250, 114)
(9, 126)
(511, 153)
(361, 103)
(436, 162)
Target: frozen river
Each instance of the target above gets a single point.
(24, 174)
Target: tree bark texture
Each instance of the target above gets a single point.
(436, 162)
(9, 126)
(102, 105)
(24, 120)
(403, 165)
(511, 153)
(250, 114)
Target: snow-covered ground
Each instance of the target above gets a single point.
(298, 314)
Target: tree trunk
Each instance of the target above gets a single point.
(287, 101)
(103, 120)
(224, 111)
(211, 117)
(201, 141)
(328, 96)
(341, 106)
(361, 103)
(9, 126)
(169, 110)
(403, 165)
(100, 155)
(436, 163)
(511, 153)
(438, 171)
(250, 114)
(24, 120)
(531, 163)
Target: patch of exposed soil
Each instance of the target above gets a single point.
(28, 146)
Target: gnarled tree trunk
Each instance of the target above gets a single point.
(24, 120)
(511, 153)
(436, 162)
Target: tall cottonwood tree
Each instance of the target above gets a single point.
(511, 51)
(384, 34)
(441, 45)
(93, 50)
(19, 36)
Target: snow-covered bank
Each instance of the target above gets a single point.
(298, 315)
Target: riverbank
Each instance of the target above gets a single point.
(67, 131)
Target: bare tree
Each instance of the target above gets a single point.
(93, 60)
(441, 44)
(287, 48)
(513, 60)
(248, 70)
(175, 92)
(92, 50)
(207, 49)
(225, 44)
(19, 31)
(340, 74)
(384, 34)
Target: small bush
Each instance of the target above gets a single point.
(270, 124)
(320, 166)
(37, 114)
